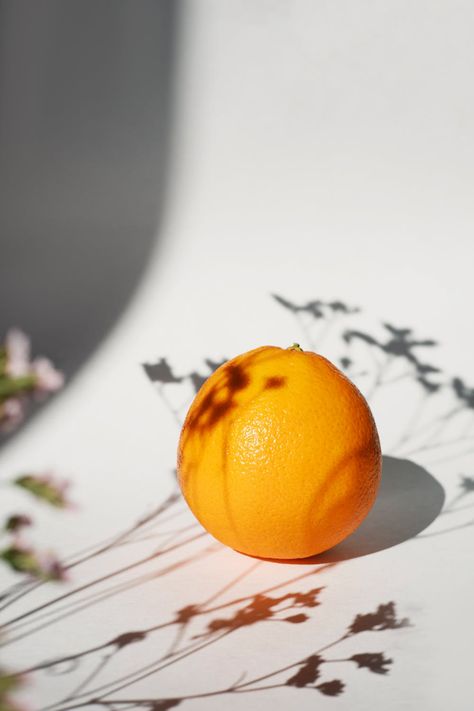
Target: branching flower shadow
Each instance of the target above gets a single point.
(176, 541)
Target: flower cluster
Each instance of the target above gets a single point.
(45, 487)
(24, 559)
(19, 555)
(22, 379)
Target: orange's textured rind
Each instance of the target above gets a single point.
(279, 455)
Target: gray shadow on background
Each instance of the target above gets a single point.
(409, 499)
(85, 115)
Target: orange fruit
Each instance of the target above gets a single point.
(279, 455)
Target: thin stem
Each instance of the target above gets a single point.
(305, 330)
(200, 611)
(439, 421)
(90, 677)
(104, 547)
(154, 669)
(405, 436)
(101, 579)
(378, 381)
(445, 530)
(324, 332)
(451, 457)
(264, 677)
(436, 445)
(449, 510)
(168, 404)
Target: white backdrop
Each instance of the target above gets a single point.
(322, 151)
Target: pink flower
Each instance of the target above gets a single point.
(23, 380)
(17, 345)
(48, 379)
(45, 487)
(51, 567)
(11, 414)
(24, 559)
(16, 522)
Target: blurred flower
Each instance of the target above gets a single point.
(20, 558)
(48, 378)
(17, 346)
(16, 522)
(24, 559)
(12, 413)
(46, 488)
(51, 567)
(21, 379)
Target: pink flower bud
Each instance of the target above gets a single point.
(11, 414)
(48, 379)
(17, 345)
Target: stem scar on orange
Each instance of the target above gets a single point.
(279, 455)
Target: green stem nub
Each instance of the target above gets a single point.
(295, 347)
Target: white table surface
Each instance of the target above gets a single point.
(321, 151)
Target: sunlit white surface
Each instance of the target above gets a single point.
(321, 151)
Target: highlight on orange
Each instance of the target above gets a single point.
(279, 455)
